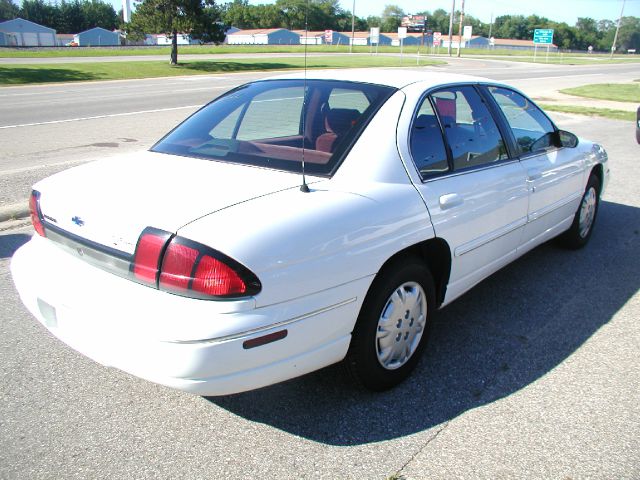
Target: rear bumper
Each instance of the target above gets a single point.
(193, 345)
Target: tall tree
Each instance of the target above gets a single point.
(197, 18)
(38, 11)
(99, 14)
(8, 10)
(391, 18)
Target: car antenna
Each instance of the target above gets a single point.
(304, 187)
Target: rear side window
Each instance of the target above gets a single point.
(426, 142)
(273, 123)
(470, 130)
(531, 128)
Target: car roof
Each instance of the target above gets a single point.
(392, 77)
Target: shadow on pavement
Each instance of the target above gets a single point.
(20, 75)
(230, 66)
(503, 335)
(12, 242)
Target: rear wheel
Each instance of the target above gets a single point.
(392, 328)
(580, 231)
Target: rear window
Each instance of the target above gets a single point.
(273, 123)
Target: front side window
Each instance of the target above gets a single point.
(531, 128)
(273, 123)
(471, 132)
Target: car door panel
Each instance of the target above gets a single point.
(481, 214)
(555, 182)
(478, 205)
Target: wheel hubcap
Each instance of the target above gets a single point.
(587, 212)
(401, 325)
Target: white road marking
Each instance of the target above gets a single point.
(124, 114)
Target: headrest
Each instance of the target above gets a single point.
(339, 120)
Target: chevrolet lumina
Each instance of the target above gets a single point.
(293, 223)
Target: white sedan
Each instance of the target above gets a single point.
(295, 222)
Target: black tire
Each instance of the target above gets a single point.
(402, 277)
(578, 234)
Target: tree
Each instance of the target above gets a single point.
(38, 11)
(99, 14)
(586, 33)
(629, 35)
(438, 21)
(71, 17)
(197, 18)
(391, 18)
(8, 10)
(239, 14)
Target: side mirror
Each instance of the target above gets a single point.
(568, 139)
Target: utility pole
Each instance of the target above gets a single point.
(491, 26)
(453, 11)
(615, 38)
(460, 29)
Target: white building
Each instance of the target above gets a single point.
(270, 36)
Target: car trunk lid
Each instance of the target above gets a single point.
(110, 202)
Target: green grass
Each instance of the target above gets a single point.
(592, 111)
(196, 50)
(557, 59)
(517, 55)
(76, 72)
(619, 92)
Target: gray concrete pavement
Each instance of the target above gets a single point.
(532, 374)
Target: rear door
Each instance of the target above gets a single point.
(476, 194)
(555, 175)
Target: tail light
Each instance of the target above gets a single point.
(178, 265)
(36, 214)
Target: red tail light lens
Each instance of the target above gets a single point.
(177, 267)
(215, 278)
(36, 215)
(188, 268)
(146, 262)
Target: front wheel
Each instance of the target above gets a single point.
(392, 328)
(580, 231)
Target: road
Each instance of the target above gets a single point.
(46, 128)
(533, 374)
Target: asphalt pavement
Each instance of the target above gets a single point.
(533, 374)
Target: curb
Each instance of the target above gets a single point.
(14, 212)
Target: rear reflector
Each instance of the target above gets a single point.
(264, 340)
(36, 215)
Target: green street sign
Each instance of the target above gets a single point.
(543, 36)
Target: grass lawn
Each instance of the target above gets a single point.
(592, 111)
(76, 72)
(573, 60)
(516, 55)
(620, 92)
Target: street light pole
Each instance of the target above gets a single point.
(615, 38)
(453, 10)
(353, 25)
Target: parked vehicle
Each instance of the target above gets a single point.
(294, 222)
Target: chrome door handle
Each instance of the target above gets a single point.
(450, 200)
